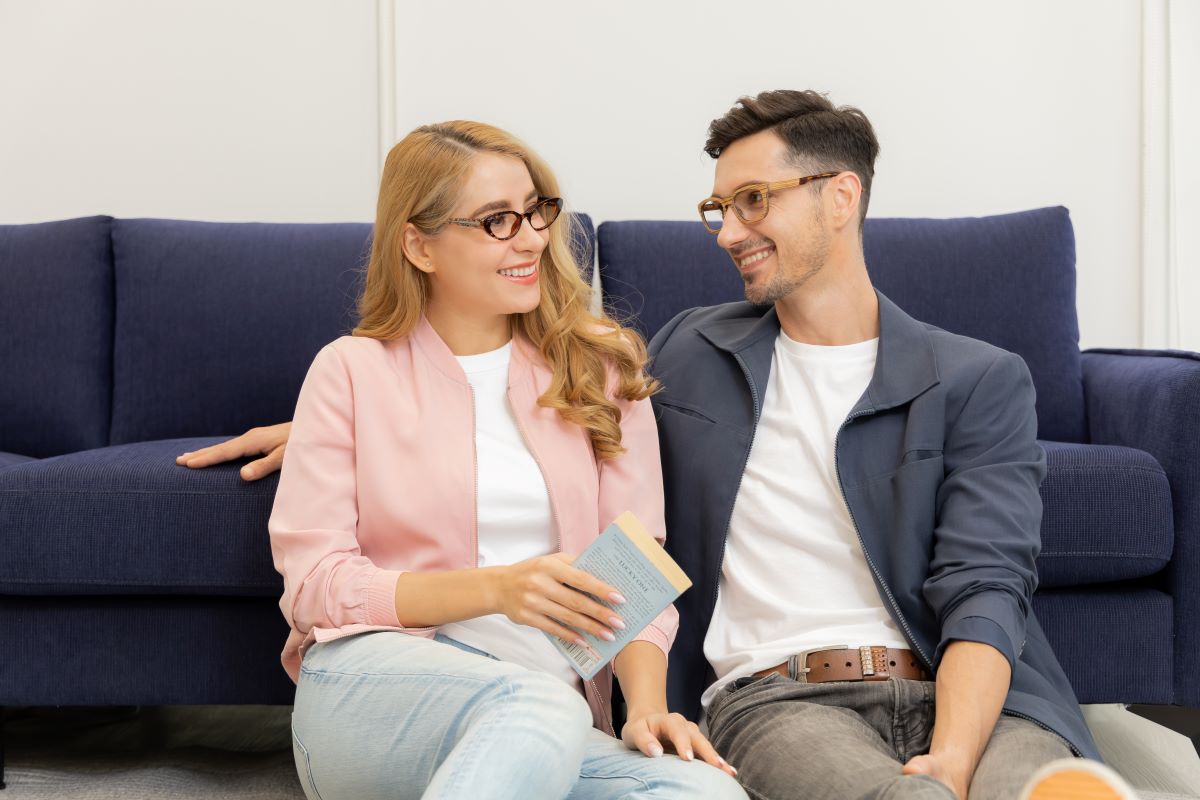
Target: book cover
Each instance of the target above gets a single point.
(628, 558)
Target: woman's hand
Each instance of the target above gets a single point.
(650, 731)
(548, 593)
(269, 442)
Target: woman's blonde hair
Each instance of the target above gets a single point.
(422, 178)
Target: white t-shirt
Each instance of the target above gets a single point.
(514, 516)
(794, 576)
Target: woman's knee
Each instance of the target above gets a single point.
(540, 696)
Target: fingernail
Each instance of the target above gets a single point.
(185, 455)
(607, 636)
(655, 750)
(581, 643)
(617, 598)
(688, 756)
(616, 623)
(247, 472)
(733, 770)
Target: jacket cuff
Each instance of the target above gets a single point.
(651, 633)
(381, 598)
(992, 618)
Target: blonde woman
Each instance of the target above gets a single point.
(479, 426)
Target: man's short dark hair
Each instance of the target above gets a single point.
(819, 135)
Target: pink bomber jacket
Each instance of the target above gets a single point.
(379, 479)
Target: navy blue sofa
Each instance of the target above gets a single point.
(127, 580)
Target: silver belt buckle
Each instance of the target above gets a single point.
(798, 668)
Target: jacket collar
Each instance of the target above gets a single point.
(427, 340)
(904, 368)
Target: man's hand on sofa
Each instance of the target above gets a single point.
(268, 442)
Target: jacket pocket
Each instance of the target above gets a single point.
(687, 411)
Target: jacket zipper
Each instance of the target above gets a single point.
(558, 539)
(854, 523)
(475, 466)
(1043, 726)
(741, 474)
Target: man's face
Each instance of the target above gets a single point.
(781, 252)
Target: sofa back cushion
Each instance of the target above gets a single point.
(217, 323)
(1007, 279)
(56, 328)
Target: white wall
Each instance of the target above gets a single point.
(980, 107)
(219, 110)
(271, 109)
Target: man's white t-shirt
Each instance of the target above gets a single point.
(794, 576)
(514, 516)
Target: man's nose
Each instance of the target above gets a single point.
(733, 230)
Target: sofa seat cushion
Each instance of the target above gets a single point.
(128, 520)
(1107, 515)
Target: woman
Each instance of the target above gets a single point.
(478, 426)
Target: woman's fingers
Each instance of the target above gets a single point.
(582, 581)
(574, 619)
(556, 628)
(707, 753)
(584, 606)
(637, 735)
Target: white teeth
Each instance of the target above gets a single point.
(519, 273)
(745, 262)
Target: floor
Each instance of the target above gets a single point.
(244, 752)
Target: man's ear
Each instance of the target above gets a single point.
(416, 248)
(845, 194)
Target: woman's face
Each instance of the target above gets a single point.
(473, 275)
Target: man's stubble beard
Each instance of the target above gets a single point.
(785, 280)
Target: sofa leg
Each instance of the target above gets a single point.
(1178, 718)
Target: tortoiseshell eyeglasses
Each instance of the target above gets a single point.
(504, 225)
(750, 202)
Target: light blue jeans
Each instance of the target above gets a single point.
(388, 715)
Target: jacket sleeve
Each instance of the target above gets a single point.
(988, 532)
(633, 482)
(327, 582)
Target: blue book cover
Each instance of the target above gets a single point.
(627, 557)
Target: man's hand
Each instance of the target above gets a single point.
(648, 732)
(269, 442)
(950, 771)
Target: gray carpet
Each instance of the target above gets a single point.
(244, 752)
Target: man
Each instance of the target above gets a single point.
(854, 495)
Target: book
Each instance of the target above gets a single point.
(628, 558)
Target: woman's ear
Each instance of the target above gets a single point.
(416, 248)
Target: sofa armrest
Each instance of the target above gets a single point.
(1150, 399)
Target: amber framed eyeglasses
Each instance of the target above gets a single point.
(750, 202)
(504, 225)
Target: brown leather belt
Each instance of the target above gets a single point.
(851, 664)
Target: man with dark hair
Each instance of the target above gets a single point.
(854, 495)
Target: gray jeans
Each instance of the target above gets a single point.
(848, 740)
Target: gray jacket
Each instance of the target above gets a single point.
(939, 466)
